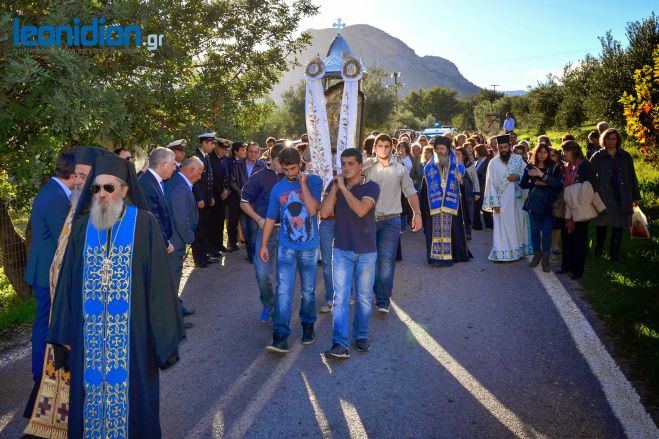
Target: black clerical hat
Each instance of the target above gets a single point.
(87, 155)
(503, 138)
(443, 140)
(120, 168)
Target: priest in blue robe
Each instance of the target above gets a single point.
(116, 318)
(442, 206)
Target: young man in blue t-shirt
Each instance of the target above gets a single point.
(295, 200)
(352, 201)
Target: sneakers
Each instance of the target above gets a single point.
(266, 314)
(338, 351)
(383, 309)
(308, 336)
(327, 307)
(352, 300)
(279, 345)
(362, 345)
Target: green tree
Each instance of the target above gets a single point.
(380, 100)
(218, 59)
(441, 102)
(642, 108)
(544, 101)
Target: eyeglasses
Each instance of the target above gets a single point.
(129, 158)
(108, 187)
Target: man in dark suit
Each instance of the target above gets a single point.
(161, 167)
(203, 193)
(238, 153)
(482, 160)
(239, 176)
(49, 211)
(185, 215)
(221, 165)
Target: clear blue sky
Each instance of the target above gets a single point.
(511, 43)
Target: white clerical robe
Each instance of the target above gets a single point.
(507, 242)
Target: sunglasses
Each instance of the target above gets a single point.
(108, 187)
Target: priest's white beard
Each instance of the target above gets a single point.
(442, 161)
(104, 218)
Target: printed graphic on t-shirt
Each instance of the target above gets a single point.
(296, 221)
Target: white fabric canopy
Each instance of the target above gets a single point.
(317, 125)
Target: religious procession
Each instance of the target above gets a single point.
(315, 243)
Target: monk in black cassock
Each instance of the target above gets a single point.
(116, 312)
(442, 207)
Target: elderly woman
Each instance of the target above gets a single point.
(618, 188)
(469, 187)
(574, 236)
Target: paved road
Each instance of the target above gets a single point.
(476, 350)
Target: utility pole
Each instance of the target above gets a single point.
(494, 87)
(396, 84)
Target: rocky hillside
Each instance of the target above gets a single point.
(376, 47)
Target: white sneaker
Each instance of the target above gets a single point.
(326, 308)
(383, 309)
(352, 300)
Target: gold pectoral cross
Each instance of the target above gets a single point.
(106, 272)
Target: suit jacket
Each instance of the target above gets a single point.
(481, 172)
(239, 174)
(49, 211)
(183, 206)
(221, 173)
(157, 203)
(203, 189)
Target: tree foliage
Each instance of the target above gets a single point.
(217, 61)
(440, 102)
(641, 108)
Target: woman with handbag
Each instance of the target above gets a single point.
(543, 177)
(619, 190)
(580, 187)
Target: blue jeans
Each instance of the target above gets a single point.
(40, 330)
(289, 262)
(387, 235)
(247, 226)
(348, 265)
(326, 232)
(544, 224)
(266, 271)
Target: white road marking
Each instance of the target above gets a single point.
(496, 408)
(623, 399)
(15, 354)
(321, 419)
(5, 419)
(354, 421)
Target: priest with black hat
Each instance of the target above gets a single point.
(500, 198)
(442, 206)
(50, 424)
(116, 312)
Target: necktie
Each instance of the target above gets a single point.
(162, 186)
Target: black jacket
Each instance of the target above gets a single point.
(221, 167)
(239, 174)
(541, 198)
(619, 187)
(203, 189)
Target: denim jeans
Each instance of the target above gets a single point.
(544, 224)
(348, 265)
(326, 232)
(266, 271)
(289, 262)
(246, 224)
(388, 236)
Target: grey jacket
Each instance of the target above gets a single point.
(617, 189)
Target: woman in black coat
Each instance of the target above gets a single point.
(619, 190)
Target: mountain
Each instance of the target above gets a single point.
(377, 48)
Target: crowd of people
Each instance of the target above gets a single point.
(105, 237)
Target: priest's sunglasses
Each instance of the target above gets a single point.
(108, 187)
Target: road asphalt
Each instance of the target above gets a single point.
(475, 350)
